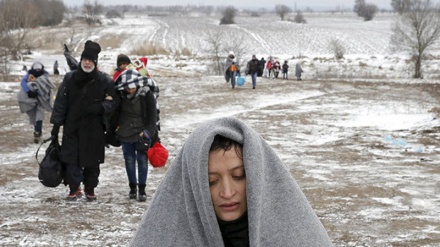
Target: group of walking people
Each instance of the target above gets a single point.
(258, 68)
(95, 111)
(273, 68)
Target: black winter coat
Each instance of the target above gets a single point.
(79, 107)
(253, 66)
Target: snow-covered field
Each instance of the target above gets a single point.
(361, 141)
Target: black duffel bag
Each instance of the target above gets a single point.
(51, 171)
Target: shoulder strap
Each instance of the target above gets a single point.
(48, 139)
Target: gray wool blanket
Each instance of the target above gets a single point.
(181, 212)
(45, 95)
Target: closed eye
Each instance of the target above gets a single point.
(211, 183)
(239, 177)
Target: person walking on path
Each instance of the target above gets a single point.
(122, 61)
(253, 68)
(231, 69)
(136, 129)
(36, 97)
(84, 97)
(228, 187)
(285, 70)
(262, 66)
(298, 71)
(269, 67)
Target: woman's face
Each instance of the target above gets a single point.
(131, 90)
(227, 183)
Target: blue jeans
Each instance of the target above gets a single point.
(38, 126)
(254, 79)
(233, 76)
(131, 155)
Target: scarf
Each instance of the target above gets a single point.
(82, 78)
(181, 212)
(130, 79)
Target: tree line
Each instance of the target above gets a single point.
(416, 30)
(18, 15)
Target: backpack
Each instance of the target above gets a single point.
(51, 169)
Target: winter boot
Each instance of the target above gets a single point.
(133, 191)
(75, 193)
(37, 136)
(90, 193)
(142, 194)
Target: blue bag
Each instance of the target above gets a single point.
(241, 80)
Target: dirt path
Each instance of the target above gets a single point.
(367, 189)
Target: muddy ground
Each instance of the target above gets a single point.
(366, 190)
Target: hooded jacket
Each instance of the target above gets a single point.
(181, 212)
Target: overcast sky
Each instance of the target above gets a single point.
(300, 4)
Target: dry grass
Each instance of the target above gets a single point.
(111, 41)
(149, 49)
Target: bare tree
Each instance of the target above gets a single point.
(337, 48)
(51, 11)
(215, 40)
(282, 10)
(417, 29)
(92, 11)
(400, 6)
(365, 10)
(236, 44)
(359, 6)
(228, 16)
(299, 18)
(16, 17)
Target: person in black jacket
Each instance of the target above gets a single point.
(137, 130)
(84, 97)
(285, 70)
(262, 64)
(253, 68)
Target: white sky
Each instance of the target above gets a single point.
(301, 4)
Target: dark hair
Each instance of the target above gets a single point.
(224, 143)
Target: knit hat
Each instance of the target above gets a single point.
(37, 69)
(254, 56)
(144, 60)
(231, 53)
(122, 58)
(91, 51)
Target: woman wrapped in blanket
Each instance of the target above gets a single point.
(36, 97)
(227, 187)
